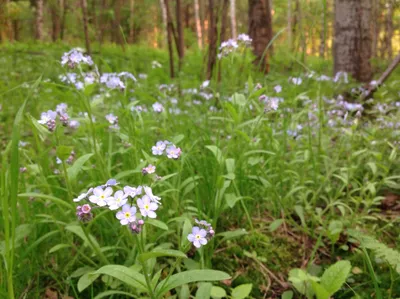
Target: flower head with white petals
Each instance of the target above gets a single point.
(127, 215)
(100, 196)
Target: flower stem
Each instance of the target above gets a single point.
(145, 270)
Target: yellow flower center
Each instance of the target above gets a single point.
(198, 237)
(127, 214)
(102, 196)
(146, 207)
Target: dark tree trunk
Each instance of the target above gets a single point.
(131, 20)
(117, 22)
(102, 27)
(55, 20)
(179, 24)
(389, 29)
(85, 26)
(353, 38)
(260, 30)
(212, 39)
(222, 33)
(15, 26)
(170, 33)
(39, 19)
(63, 18)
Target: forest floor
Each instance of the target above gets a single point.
(299, 183)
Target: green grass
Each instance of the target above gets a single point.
(276, 201)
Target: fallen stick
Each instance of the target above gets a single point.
(372, 88)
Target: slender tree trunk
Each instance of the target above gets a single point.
(102, 27)
(198, 24)
(353, 38)
(179, 22)
(222, 33)
(375, 27)
(171, 25)
(117, 22)
(389, 29)
(55, 20)
(131, 20)
(289, 25)
(15, 26)
(260, 30)
(323, 29)
(64, 5)
(202, 12)
(39, 19)
(212, 39)
(85, 26)
(164, 19)
(233, 19)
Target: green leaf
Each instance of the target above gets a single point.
(53, 199)
(319, 291)
(182, 278)
(218, 292)
(217, 153)
(86, 280)
(231, 199)
(127, 275)
(77, 230)
(63, 152)
(80, 271)
(156, 223)
(58, 247)
(242, 291)
(74, 170)
(42, 130)
(204, 291)
(239, 99)
(159, 253)
(335, 276)
(185, 292)
(274, 225)
(108, 294)
(287, 295)
(230, 165)
(232, 234)
(187, 229)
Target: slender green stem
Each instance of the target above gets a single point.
(100, 254)
(145, 270)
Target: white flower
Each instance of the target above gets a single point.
(198, 237)
(159, 148)
(45, 117)
(132, 191)
(278, 88)
(149, 193)
(100, 196)
(118, 200)
(127, 215)
(157, 107)
(83, 195)
(173, 152)
(147, 207)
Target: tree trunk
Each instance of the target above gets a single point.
(39, 20)
(179, 25)
(260, 30)
(131, 20)
(353, 39)
(212, 39)
(117, 22)
(55, 20)
(375, 12)
(64, 5)
(164, 19)
(102, 27)
(15, 25)
(323, 30)
(85, 26)
(389, 30)
(222, 33)
(198, 24)
(289, 25)
(233, 19)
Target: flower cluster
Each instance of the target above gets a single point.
(169, 148)
(122, 201)
(113, 120)
(271, 103)
(75, 57)
(49, 118)
(231, 45)
(201, 234)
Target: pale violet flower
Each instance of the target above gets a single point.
(173, 152)
(118, 200)
(58, 160)
(296, 81)
(159, 148)
(205, 84)
(74, 124)
(149, 169)
(198, 237)
(75, 57)
(61, 108)
(147, 207)
(83, 195)
(149, 193)
(278, 88)
(127, 215)
(132, 191)
(112, 119)
(47, 117)
(245, 39)
(100, 196)
(157, 107)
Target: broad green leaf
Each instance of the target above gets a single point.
(218, 292)
(242, 291)
(239, 99)
(86, 280)
(182, 278)
(230, 165)
(157, 223)
(187, 229)
(287, 295)
(335, 276)
(159, 253)
(63, 152)
(53, 199)
(185, 292)
(127, 275)
(217, 153)
(274, 225)
(204, 291)
(320, 291)
(231, 199)
(74, 170)
(77, 230)
(81, 271)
